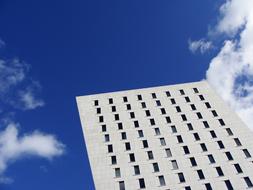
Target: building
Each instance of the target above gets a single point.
(176, 137)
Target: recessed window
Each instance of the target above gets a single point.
(168, 120)
(152, 122)
(174, 164)
(206, 125)
(183, 116)
(150, 155)
(116, 117)
(190, 127)
(178, 109)
(162, 142)
(168, 94)
(196, 136)
(200, 174)
(110, 101)
(110, 148)
(163, 111)
(182, 92)
(140, 133)
(157, 131)
(101, 119)
(229, 131)
(173, 129)
(187, 99)
(238, 168)
(229, 156)
(132, 115)
(213, 135)
(220, 144)
(195, 90)
(199, 115)
(147, 113)
(207, 105)
(203, 147)
(186, 150)
(208, 186)
(211, 159)
(158, 103)
(193, 107)
(137, 170)
(128, 146)
(145, 143)
(113, 160)
(136, 124)
(246, 152)
(222, 123)
(248, 181)
(187, 188)
(201, 97)
(168, 152)
(143, 105)
(153, 95)
(139, 97)
(156, 167)
(107, 138)
(98, 110)
(173, 101)
(95, 102)
(128, 106)
(193, 161)
(219, 171)
(214, 113)
(237, 142)
(124, 99)
(113, 108)
(142, 183)
(122, 185)
(179, 139)
(117, 172)
(123, 136)
(120, 126)
(181, 177)
(103, 128)
(132, 157)
(161, 180)
(228, 185)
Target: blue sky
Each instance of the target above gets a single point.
(83, 47)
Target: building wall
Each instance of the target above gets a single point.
(100, 160)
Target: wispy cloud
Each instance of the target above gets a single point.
(201, 46)
(18, 91)
(231, 71)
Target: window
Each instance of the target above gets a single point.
(228, 185)
(156, 167)
(206, 125)
(213, 135)
(196, 136)
(153, 95)
(124, 99)
(158, 103)
(123, 136)
(145, 143)
(181, 177)
(132, 115)
(189, 125)
(229, 131)
(184, 117)
(162, 142)
(143, 105)
(161, 180)
(195, 90)
(193, 161)
(142, 183)
(229, 156)
(248, 181)
(117, 172)
(173, 129)
(246, 152)
(238, 168)
(150, 155)
(237, 142)
(114, 160)
(182, 92)
(193, 107)
(200, 174)
(136, 124)
(173, 101)
(174, 164)
(139, 97)
(208, 186)
(187, 99)
(157, 131)
(211, 159)
(128, 146)
(222, 123)
(103, 128)
(110, 101)
(163, 111)
(137, 170)
(203, 147)
(201, 97)
(187, 188)
(199, 115)
(95, 102)
(98, 110)
(120, 126)
(152, 122)
(128, 106)
(207, 105)
(186, 150)
(168, 152)
(101, 119)
(214, 113)
(122, 185)
(147, 113)
(219, 171)
(167, 93)
(132, 157)
(179, 139)
(220, 144)
(178, 109)
(110, 148)
(107, 138)
(113, 108)
(168, 120)
(116, 116)
(140, 133)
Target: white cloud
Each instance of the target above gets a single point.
(231, 70)
(200, 45)
(13, 147)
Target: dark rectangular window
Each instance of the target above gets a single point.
(179, 139)
(143, 105)
(157, 131)
(229, 156)
(156, 167)
(238, 168)
(168, 152)
(248, 181)
(163, 111)
(182, 92)
(142, 183)
(187, 99)
(98, 110)
(101, 119)
(246, 152)
(229, 131)
(193, 161)
(158, 103)
(117, 172)
(186, 150)
(190, 127)
(203, 147)
(128, 146)
(181, 177)
(187, 188)
(195, 90)
(237, 142)
(103, 128)
(150, 155)
(147, 113)
(132, 157)
(222, 123)
(199, 115)
(184, 117)
(206, 125)
(123, 136)
(173, 129)
(220, 144)
(136, 124)
(128, 106)
(196, 136)
(211, 159)
(228, 185)
(162, 142)
(120, 126)
(107, 137)
(173, 101)
(140, 133)
(168, 94)
(178, 109)
(114, 160)
(132, 115)
(174, 164)
(207, 105)
(122, 185)
(213, 135)
(145, 143)
(168, 120)
(116, 116)
(208, 186)
(161, 180)
(152, 122)
(153, 95)
(137, 170)
(201, 97)
(95, 102)
(193, 107)
(124, 99)
(139, 97)
(113, 108)
(219, 171)
(214, 113)
(110, 148)
(110, 101)
(200, 174)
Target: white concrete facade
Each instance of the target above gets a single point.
(212, 140)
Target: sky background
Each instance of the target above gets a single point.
(85, 47)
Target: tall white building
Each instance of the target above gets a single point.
(176, 137)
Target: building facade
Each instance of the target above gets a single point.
(176, 137)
